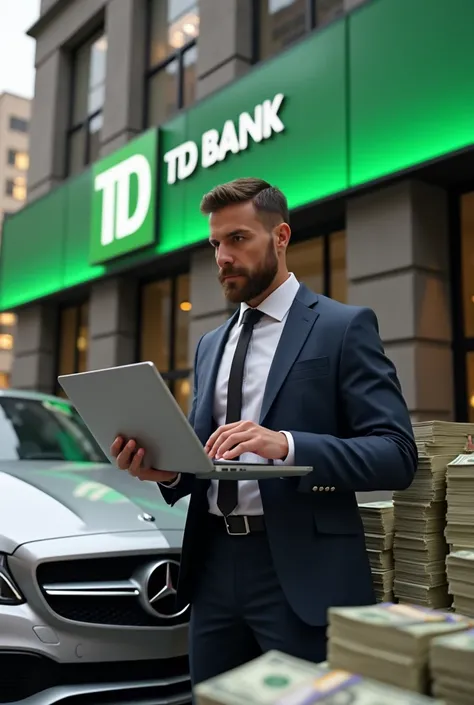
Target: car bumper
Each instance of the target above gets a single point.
(64, 659)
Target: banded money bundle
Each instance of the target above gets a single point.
(377, 518)
(278, 679)
(388, 642)
(452, 668)
(420, 546)
(460, 501)
(460, 567)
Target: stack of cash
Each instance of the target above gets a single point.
(460, 566)
(278, 679)
(420, 545)
(452, 668)
(388, 642)
(460, 500)
(377, 518)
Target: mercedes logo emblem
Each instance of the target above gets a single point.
(157, 586)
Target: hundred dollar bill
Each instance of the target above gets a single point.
(278, 679)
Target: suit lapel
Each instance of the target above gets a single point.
(300, 321)
(205, 407)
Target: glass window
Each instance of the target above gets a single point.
(88, 88)
(20, 160)
(320, 263)
(16, 188)
(470, 387)
(44, 430)
(337, 266)
(171, 74)
(19, 124)
(73, 341)
(467, 261)
(306, 261)
(282, 22)
(164, 334)
(327, 10)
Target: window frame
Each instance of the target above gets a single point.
(77, 304)
(74, 128)
(20, 121)
(310, 25)
(307, 234)
(172, 375)
(151, 71)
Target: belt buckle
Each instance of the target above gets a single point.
(238, 533)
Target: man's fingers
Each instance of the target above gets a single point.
(136, 463)
(232, 440)
(218, 432)
(124, 458)
(248, 446)
(116, 447)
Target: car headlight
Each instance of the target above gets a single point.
(9, 592)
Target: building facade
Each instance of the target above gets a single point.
(15, 115)
(352, 108)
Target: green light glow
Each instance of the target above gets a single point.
(383, 89)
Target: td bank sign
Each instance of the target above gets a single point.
(235, 137)
(123, 210)
(123, 213)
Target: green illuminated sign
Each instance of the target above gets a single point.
(363, 98)
(123, 200)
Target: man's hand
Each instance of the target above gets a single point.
(234, 439)
(129, 457)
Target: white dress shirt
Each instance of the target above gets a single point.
(263, 344)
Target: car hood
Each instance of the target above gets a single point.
(42, 500)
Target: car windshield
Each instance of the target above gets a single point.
(45, 429)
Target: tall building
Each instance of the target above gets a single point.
(361, 111)
(15, 116)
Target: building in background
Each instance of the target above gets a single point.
(15, 116)
(143, 105)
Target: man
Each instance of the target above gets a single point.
(292, 378)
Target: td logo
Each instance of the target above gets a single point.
(123, 200)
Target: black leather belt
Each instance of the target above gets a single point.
(238, 525)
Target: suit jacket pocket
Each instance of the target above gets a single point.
(308, 369)
(337, 514)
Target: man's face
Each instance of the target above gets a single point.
(245, 252)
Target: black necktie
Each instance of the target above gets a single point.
(227, 496)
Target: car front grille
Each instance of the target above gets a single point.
(137, 591)
(23, 675)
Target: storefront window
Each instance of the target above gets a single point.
(470, 387)
(73, 341)
(282, 22)
(171, 74)
(165, 311)
(320, 263)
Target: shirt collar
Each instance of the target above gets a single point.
(278, 303)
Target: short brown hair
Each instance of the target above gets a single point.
(267, 200)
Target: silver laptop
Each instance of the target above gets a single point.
(133, 401)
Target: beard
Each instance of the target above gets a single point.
(254, 282)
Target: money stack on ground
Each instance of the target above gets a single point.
(388, 642)
(460, 569)
(420, 546)
(377, 518)
(460, 501)
(278, 679)
(452, 668)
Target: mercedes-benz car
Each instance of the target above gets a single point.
(88, 567)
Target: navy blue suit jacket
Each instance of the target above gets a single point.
(333, 388)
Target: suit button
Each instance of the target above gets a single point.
(321, 489)
(332, 489)
(315, 489)
(326, 489)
